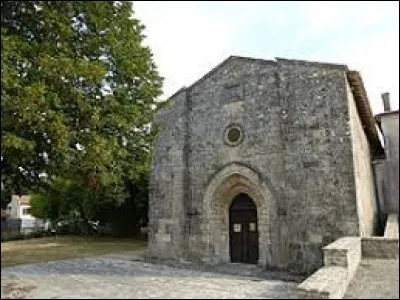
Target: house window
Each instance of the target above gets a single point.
(26, 211)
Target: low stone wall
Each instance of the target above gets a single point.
(380, 247)
(341, 259)
(386, 247)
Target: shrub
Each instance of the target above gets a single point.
(16, 235)
(12, 236)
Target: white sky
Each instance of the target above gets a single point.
(189, 38)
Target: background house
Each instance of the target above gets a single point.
(20, 208)
(387, 168)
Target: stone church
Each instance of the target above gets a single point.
(264, 162)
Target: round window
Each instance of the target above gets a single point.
(233, 135)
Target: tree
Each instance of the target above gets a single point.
(78, 91)
(68, 198)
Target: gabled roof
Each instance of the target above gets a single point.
(264, 61)
(353, 77)
(318, 64)
(225, 62)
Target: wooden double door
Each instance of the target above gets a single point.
(243, 231)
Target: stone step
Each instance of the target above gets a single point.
(344, 252)
(326, 283)
(341, 260)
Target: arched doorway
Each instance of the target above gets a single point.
(243, 230)
(229, 182)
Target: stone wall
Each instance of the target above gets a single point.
(363, 171)
(295, 161)
(242, 92)
(319, 183)
(166, 190)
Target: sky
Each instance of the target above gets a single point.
(189, 38)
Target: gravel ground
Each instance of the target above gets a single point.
(119, 277)
(130, 276)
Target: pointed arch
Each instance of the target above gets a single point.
(230, 181)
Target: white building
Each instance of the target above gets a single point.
(20, 208)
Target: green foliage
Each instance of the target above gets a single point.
(12, 236)
(123, 207)
(6, 193)
(63, 197)
(126, 218)
(40, 206)
(78, 91)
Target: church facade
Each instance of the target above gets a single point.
(263, 162)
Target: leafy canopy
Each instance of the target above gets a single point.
(78, 91)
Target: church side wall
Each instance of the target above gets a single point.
(363, 172)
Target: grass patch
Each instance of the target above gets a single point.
(64, 247)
